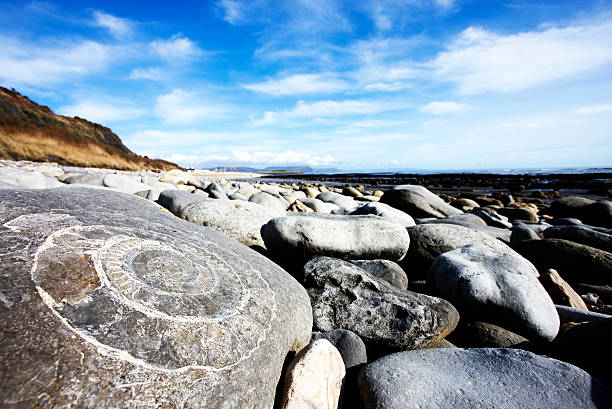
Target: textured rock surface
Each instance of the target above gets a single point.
(478, 378)
(575, 262)
(350, 346)
(319, 206)
(28, 180)
(96, 179)
(492, 218)
(269, 201)
(477, 334)
(314, 378)
(386, 212)
(239, 220)
(417, 201)
(176, 200)
(582, 235)
(560, 291)
(386, 270)
(354, 237)
(522, 232)
(589, 211)
(109, 301)
(488, 282)
(346, 296)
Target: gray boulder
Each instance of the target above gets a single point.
(123, 183)
(110, 301)
(352, 237)
(176, 200)
(95, 179)
(386, 270)
(522, 232)
(582, 235)
(498, 285)
(386, 318)
(338, 199)
(5, 185)
(492, 218)
(466, 220)
(28, 180)
(386, 212)
(478, 378)
(350, 346)
(417, 201)
(319, 206)
(267, 200)
(598, 213)
(239, 220)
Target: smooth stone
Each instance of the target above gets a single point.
(319, 206)
(314, 378)
(352, 237)
(466, 220)
(350, 346)
(311, 192)
(519, 213)
(582, 235)
(492, 218)
(5, 185)
(560, 291)
(239, 220)
(96, 179)
(386, 212)
(293, 195)
(522, 232)
(566, 221)
(351, 191)
(488, 201)
(569, 314)
(368, 198)
(28, 180)
(337, 199)
(496, 285)
(201, 183)
(386, 318)
(575, 262)
(216, 186)
(123, 183)
(386, 270)
(237, 196)
(587, 346)
(298, 207)
(176, 200)
(478, 334)
(598, 213)
(156, 184)
(478, 378)
(417, 201)
(428, 241)
(215, 194)
(269, 201)
(246, 189)
(464, 203)
(110, 302)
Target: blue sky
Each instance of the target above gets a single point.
(370, 85)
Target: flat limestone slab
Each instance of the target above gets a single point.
(108, 301)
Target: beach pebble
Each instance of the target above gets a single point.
(28, 180)
(352, 237)
(386, 212)
(270, 201)
(176, 200)
(299, 207)
(111, 302)
(417, 201)
(338, 199)
(464, 204)
(582, 235)
(560, 291)
(350, 346)
(386, 270)
(492, 218)
(314, 378)
(519, 213)
(345, 296)
(598, 213)
(478, 334)
(478, 378)
(465, 220)
(351, 191)
(239, 220)
(311, 192)
(95, 179)
(488, 282)
(237, 196)
(319, 206)
(522, 232)
(123, 183)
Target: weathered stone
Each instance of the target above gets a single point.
(385, 270)
(428, 241)
(314, 378)
(386, 212)
(293, 195)
(319, 206)
(299, 207)
(353, 237)
(239, 220)
(338, 199)
(464, 204)
(311, 192)
(269, 201)
(28, 180)
(351, 191)
(522, 232)
(96, 179)
(582, 235)
(560, 291)
(598, 213)
(519, 213)
(386, 318)
(176, 200)
(123, 183)
(477, 334)
(492, 218)
(417, 201)
(478, 378)
(215, 194)
(110, 302)
(237, 196)
(350, 346)
(497, 285)
(5, 185)
(466, 220)
(575, 262)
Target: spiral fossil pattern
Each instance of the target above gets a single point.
(153, 298)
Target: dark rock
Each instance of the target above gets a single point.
(519, 213)
(478, 334)
(386, 270)
(346, 296)
(492, 218)
(350, 346)
(109, 301)
(176, 200)
(575, 262)
(522, 232)
(417, 201)
(478, 378)
(598, 213)
(582, 235)
(96, 179)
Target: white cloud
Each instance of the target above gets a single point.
(176, 47)
(443, 107)
(324, 109)
(287, 157)
(117, 26)
(444, 4)
(387, 86)
(233, 11)
(299, 84)
(154, 74)
(101, 111)
(594, 109)
(40, 64)
(480, 60)
(182, 107)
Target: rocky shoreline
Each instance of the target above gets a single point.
(138, 289)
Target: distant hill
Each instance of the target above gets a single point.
(29, 131)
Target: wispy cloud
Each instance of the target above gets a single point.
(153, 74)
(595, 109)
(175, 48)
(480, 61)
(102, 111)
(299, 84)
(117, 26)
(443, 107)
(182, 107)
